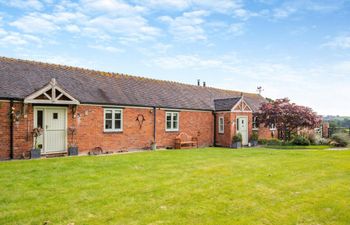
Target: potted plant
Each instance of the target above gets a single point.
(153, 145)
(72, 148)
(35, 152)
(237, 141)
(255, 138)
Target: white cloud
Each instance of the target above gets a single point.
(289, 8)
(167, 4)
(185, 61)
(72, 28)
(35, 23)
(339, 42)
(17, 39)
(304, 86)
(236, 29)
(188, 26)
(114, 7)
(132, 28)
(23, 4)
(110, 49)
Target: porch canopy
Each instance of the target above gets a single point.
(51, 93)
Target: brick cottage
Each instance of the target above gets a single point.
(114, 112)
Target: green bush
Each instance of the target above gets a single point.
(262, 141)
(255, 136)
(321, 141)
(270, 142)
(340, 140)
(300, 140)
(237, 138)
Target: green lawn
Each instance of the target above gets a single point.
(204, 186)
(315, 147)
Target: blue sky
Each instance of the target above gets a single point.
(296, 49)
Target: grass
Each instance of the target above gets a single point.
(204, 186)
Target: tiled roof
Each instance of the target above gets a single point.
(225, 104)
(20, 78)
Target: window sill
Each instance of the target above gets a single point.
(172, 131)
(112, 131)
(255, 128)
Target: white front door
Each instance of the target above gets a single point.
(53, 121)
(242, 127)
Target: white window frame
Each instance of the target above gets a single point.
(221, 125)
(254, 124)
(113, 120)
(172, 121)
(272, 126)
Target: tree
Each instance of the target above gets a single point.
(287, 117)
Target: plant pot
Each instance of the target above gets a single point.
(236, 145)
(35, 153)
(254, 143)
(73, 151)
(153, 146)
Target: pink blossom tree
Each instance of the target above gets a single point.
(287, 117)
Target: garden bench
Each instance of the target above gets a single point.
(184, 140)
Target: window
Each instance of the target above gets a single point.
(113, 120)
(255, 123)
(39, 119)
(55, 116)
(172, 121)
(221, 125)
(272, 126)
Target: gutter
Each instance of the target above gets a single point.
(11, 130)
(154, 124)
(214, 114)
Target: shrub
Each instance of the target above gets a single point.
(321, 141)
(312, 138)
(270, 142)
(237, 138)
(340, 140)
(262, 141)
(255, 136)
(300, 140)
(274, 142)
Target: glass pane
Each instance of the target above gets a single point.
(117, 115)
(175, 124)
(117, 124)
(237, 124)
(108, 124)
(108, 114)
(175, 116)
(55, 116)
(168, 124)
(39, 119)
(168, 116)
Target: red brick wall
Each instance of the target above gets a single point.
(22, 131)
(89, 122)
(4, 130)
(325, 127)
(90, 134)
(195, 123)
(23, 128)
(225, 138)
(230, 128)
(266, 133)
